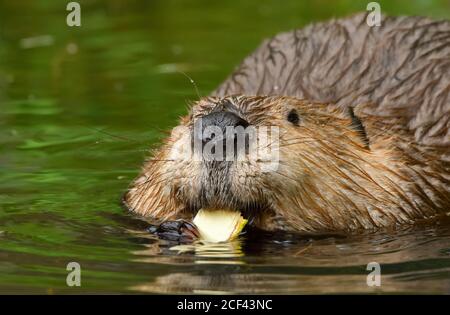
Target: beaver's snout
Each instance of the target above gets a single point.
(220, 136)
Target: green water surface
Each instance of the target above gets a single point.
(81, 106)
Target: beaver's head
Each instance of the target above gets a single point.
(302, 166)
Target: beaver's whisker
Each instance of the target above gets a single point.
(297, 142)
(287, 176)
(112, 135)
(90, 144)
(192, 82)
(273, 141)
(160, 160)
(163, 179)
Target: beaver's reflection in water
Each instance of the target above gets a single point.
(412, 260)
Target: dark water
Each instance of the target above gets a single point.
(80, 107)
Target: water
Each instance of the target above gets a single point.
(80, 107)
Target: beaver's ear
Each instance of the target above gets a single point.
(359, 127)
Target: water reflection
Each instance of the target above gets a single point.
(212, 250)
(254, 283)
(216, 253)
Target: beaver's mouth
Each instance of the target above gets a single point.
(251, 211)
(220, 189)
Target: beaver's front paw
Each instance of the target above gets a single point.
(180, 231)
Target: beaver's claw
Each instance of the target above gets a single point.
(180, 231)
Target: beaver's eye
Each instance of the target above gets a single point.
(293, 117)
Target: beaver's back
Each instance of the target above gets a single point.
(403, 64)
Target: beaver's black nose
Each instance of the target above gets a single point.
(219, 129)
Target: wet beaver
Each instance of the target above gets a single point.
(364, 117)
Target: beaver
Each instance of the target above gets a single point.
(363, 116)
